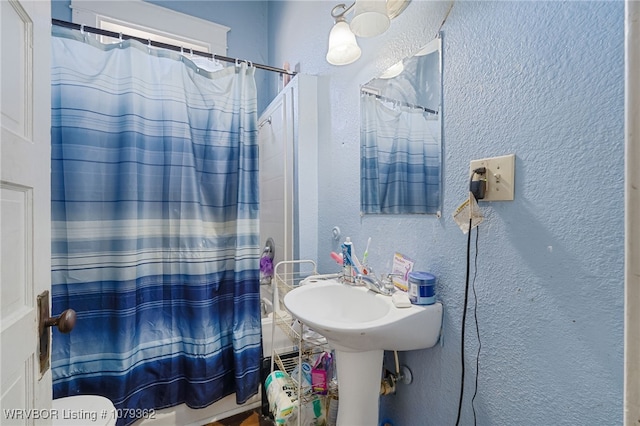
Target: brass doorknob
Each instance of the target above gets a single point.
(65, 321)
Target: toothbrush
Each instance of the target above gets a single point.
(356, 262)
(366, 252)
(353, 265)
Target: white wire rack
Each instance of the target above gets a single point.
(287, 276)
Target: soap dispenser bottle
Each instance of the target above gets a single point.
(347, 268)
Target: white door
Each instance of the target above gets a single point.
(25, 393)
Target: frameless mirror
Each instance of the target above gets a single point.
(400, 137)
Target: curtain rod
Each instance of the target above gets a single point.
(153, 43)
(395, 101)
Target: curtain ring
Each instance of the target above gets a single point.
(191, 50)
(82, 29)
(181, 50)
(250, 64)
(237, 63)
(149, 42)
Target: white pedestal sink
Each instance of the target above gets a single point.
(360, 325)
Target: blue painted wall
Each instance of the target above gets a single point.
(543, 80)
(60, 9)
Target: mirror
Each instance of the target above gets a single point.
(400, 137)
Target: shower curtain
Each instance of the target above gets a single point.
(399, 158)
(155, 238)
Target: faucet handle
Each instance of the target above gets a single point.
(394, 275)
(369, 272)
(387, 281)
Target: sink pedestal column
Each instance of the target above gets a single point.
(359, 376)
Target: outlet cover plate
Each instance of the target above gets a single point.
(500, 177)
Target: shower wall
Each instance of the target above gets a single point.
(276, 178)
(289, 136)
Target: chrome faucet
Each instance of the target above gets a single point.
(370, 281)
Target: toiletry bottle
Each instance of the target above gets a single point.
(347, 269)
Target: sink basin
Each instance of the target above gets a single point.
(360, 325)
(358, 319)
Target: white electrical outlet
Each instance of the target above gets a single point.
(500, 177)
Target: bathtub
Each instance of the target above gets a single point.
(226, 407)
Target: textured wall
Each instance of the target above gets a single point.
(543, 80)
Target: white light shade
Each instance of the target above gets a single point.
(343, 48)
(370, 18)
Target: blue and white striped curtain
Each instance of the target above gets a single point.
(399, 159)
(155, 238)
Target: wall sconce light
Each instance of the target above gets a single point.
(371, 18)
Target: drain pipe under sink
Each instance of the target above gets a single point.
(402, 375)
